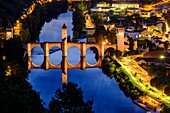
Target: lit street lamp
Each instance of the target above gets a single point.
(162, 57)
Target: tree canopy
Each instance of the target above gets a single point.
(69, 99)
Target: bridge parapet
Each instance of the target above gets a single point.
(64, 65)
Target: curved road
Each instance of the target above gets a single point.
(143, 86)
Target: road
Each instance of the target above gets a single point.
(144, 86)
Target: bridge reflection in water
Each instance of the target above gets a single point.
(64, 46)
(64, 65)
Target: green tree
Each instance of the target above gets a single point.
(17, 96)
(108, 67)
(69, 99)
(114, 19)
(13, 49)
(12, 9)
(112, 36)
(78, 22)
(16, 92)
(81, 6)
(167, 90)
(25, 35)
(163, 27)
(3, 67)
(131, 43)
(97, 19)
(99, 34)
(166, 43)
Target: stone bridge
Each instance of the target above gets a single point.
(64, 46)
(64, 65)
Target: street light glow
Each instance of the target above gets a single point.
(162, 57)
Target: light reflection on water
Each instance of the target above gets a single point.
(105, 92)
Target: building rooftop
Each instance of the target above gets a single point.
(9, 26)
(124, 2)
(64, 26)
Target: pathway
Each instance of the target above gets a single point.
(144, 86)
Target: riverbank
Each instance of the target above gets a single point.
(143, 85)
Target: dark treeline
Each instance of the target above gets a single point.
(16, 93)
(12, 9)
(32, 24)
(160, 79)
(113, 70)
(79, 29)
(43, 13)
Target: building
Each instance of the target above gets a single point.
(145, 13)
(105, 7)
(9, 31)
(123, 5)
(90, 35)
(17, 28)
(135, 35)
(145, 35)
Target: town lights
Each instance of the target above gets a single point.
(162, 57)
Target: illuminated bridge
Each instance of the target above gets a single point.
(64, 46)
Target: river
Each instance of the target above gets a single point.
(106, 94)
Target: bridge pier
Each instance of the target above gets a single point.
(101, 54)
(83, 62)
(83, 49)
(83, 56)
(64, 47)
(29, 56)
(46, 56)
(64, 70)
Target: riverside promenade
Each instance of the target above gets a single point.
(140, 78)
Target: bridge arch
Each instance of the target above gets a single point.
(37, 53)
(92, 55)
(55, 55)
(74, 54)
(64, 46)
(114, 46)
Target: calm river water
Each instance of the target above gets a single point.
(106, 94)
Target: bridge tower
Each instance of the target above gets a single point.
(64, 40)
(9, 31)
(120, 37)
(64, 54)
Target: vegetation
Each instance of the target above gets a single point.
(111, 36)
(16, 92)
(42, 13)
(112, 69)
(160, 80)
(131, 43)
(108, 67)
(103, 35)
(69, 100)
(163, 28)
(100, 34)
(79, 29)
(97, 19)
(33, 23)
(160, 77)
(12, 9)
(17, 95)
